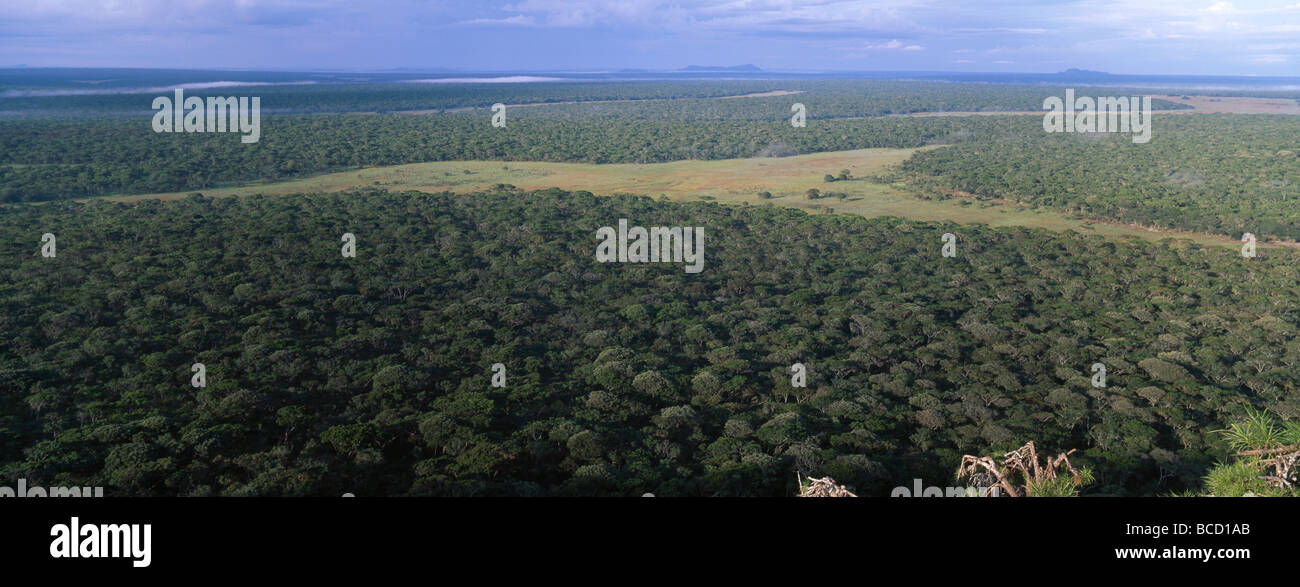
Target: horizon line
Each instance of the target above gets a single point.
(626, 70)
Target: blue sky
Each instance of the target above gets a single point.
(1146, 36)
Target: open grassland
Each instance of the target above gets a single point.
(728, 181)
(1235, 104)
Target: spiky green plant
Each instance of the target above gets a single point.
(1062, 486)
(1260, 431)
(1233, 479)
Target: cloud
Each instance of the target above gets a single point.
(1000, 30)
(753, 17)
(1220, 7)
(1170, 36)
(1166, 19)
(894, 45)
(187, 15)
(516, 20)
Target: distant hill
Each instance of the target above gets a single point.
(1074, 73)
(745, 67)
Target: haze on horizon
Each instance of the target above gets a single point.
(1196, 37)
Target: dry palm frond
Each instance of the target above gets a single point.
(824, 487)
(1284, 462)
(1023, 461)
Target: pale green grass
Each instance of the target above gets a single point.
(728, 181)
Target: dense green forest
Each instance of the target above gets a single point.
(1218, 173)
(48, 160)
(372, 374)
(1224, 174)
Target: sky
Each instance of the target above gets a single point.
(1207, 37)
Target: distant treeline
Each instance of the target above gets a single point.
(1222, 173)
(650, 100)
(837, 99)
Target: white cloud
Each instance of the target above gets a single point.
(1231, 35)
(893, 45)
(1220, 7)
(516, 20)
(1270, 58)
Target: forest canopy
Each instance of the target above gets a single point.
(372, 374)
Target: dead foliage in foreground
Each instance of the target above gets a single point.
(824, 487)
(1280, 467)
(1022, 465)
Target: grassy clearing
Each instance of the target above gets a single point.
(728, 181)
